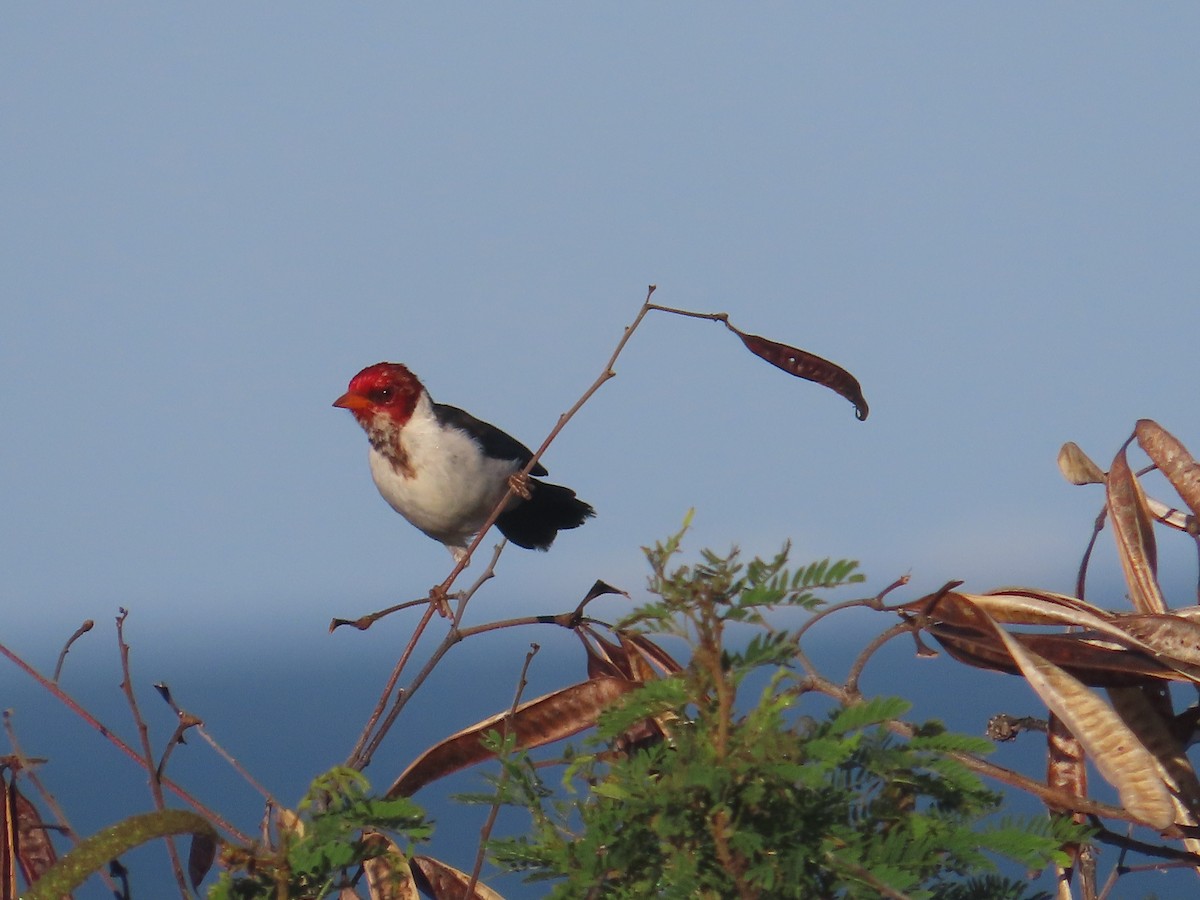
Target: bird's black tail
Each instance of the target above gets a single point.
(536, 522)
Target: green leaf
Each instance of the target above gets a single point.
(869, 712)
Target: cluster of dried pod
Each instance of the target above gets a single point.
(1068, 647)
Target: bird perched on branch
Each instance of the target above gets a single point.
(445, 471)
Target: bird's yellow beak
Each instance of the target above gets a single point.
(352, 402)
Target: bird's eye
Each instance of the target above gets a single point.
(383, 395)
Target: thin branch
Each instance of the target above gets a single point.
(502, 782)
(72, 704)
(362, 623)
(485, 576)
(860, 661)
(1081, 578)
(357, 759)
(83, 629)
(712, 317)
(562, 620)
(186, 721)
(607, 374)
(365, 747)
(143, 730)
(1125, 842)
(874, 603)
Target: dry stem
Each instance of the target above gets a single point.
(155, 776)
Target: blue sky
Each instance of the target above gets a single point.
(215, 215)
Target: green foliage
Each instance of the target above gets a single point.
(320, 849)
(759, 800)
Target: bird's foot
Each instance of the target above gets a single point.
(519, 482)
(440, 599)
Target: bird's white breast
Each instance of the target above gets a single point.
(447, 486)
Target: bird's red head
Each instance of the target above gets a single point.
(384, 388)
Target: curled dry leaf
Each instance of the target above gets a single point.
(640, 646)
(8, 843)
(649, 662)
(1172, 517)
(1066, 767)
(1119, 756)
(603, 656)
(1094, 662)
(1066, 770)
(1077, 467)
(1163, 642)
(441, 880)
(1012, 606)
(25, 838)
(636, 659)
(808, 366)
(388, 874)
(1147, 711)
(200, 857)
(1173, 460)
(1171, 638)
(542, 721)
(1135, 536)
(599, 589)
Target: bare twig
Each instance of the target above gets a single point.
(712, 317)
(607, 374)
(72, 704)
(860, 661)
(143, 730)
(490, 823)
(1108, 836)
(83, 629)
(875, 603)
(362, 623)
(357, 758)
(186, 721)
(368, 742)
(1081, 578)
(485, 576)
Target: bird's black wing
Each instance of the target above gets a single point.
(494, 441)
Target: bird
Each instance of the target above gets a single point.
(445, 471)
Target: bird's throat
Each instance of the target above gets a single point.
(387, 446)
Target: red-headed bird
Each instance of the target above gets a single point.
(445, 471)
